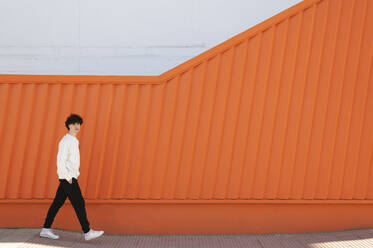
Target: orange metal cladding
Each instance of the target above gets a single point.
(245, 137)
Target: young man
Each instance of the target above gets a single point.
(68, 163)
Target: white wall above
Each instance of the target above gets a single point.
(113, 37)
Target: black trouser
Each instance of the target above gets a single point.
(72, 191)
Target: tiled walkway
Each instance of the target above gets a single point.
(29, 237)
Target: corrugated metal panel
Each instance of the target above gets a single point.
(280, 111)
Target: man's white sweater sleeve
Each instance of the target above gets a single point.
(62, 163)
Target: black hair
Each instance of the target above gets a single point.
(73, 118)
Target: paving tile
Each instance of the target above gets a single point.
(14, 237)
(29, 238)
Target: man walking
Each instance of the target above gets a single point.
(68, 163)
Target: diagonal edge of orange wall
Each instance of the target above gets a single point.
(166, 76)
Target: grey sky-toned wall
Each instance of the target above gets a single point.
(143, 37)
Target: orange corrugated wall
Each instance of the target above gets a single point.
(282, 111)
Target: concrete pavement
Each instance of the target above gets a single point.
(29, 237)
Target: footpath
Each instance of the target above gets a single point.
(29, 238)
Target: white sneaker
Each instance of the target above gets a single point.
(47, 233)
(92, 234)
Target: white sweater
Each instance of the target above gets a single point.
(68, 157)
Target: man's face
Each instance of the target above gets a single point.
(74, 127)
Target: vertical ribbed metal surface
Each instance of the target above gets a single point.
(280, 111)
